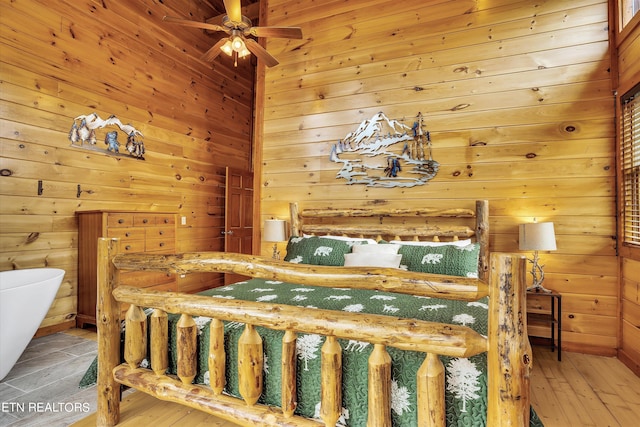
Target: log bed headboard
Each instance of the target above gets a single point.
(400, 224)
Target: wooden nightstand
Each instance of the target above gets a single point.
(544, 310)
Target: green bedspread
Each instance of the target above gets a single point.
(465, 378)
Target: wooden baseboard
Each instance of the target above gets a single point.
(629, 362)
(589, 349)
(49, 330)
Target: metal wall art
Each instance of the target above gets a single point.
(386, 153)
(83, 134)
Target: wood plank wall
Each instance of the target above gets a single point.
(519, 101)
(628, 52)
(64, 58)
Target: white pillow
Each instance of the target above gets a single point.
(367, 260)
(344, 238)
(465, 242)
(375, 249)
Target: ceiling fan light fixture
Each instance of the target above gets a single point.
(227, 48)
(237, 44)
(244, 52)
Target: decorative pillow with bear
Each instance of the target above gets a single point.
(318, 250)
(452, 260)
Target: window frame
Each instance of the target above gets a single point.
(629, 167)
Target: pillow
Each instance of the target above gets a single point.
(465, 242)
(375, 249)
(317, 250)
(451, 260)
(345, 239)
(369, 260)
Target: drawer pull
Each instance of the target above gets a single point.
(161, 244)
(127, 248)
(127, 234)
(161, 232)
(166, 220)
(144, 221)
(121, 221)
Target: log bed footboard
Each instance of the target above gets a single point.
(509, 353)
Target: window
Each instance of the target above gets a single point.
(628, 8)
(630, 166)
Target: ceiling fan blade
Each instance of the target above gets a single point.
(195, 24)
(279, 32)
(255, 48)
(216, 20)
(234, 10)
(212, 53)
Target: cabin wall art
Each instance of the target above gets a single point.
(83, 134)
(383, 152)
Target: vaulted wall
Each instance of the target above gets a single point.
(517, 96)
(60, 59)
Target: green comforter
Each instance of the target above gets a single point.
(465, 378)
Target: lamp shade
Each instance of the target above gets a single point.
(274, 230)
(537, 236)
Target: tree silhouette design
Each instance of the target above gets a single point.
(400, 398)
(462, 380)
(307, 347)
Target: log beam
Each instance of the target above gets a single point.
(202, 398)
(404, 334)
(372, 278)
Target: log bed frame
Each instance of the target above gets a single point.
(501, 276)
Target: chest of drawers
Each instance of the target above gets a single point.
(138, 232)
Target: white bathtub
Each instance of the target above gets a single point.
(25, 298)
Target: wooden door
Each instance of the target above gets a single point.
(238, 215)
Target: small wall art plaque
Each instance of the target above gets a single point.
(383, 152)
(84, 134)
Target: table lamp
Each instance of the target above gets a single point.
(537, 236)
(274, 231)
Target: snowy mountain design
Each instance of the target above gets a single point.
(383, 152)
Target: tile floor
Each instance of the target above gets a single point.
(42, 388)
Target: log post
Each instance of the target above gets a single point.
(431, 403)
(331, 381)
(509, 361)
(159, 330)
(217, 358)
(108, 319)
(294, 214)
(482, 238)
(250, 364)
(135, 336)
(187, 337)
(379, 389)
(288, 386)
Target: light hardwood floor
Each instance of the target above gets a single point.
(582, 390)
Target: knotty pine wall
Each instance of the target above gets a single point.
(519, 100)
(63, 58)
(628, 52)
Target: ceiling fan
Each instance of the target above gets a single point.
(238, 28)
